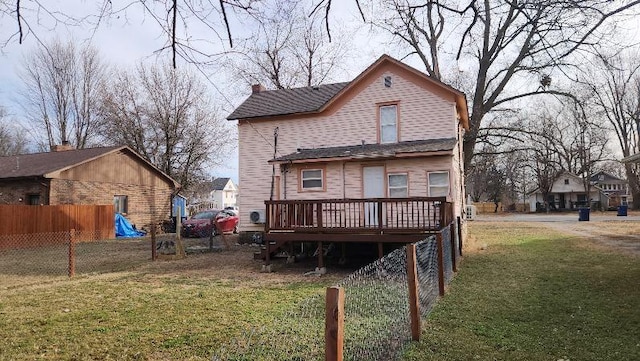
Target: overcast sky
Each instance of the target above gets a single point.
(134, 36)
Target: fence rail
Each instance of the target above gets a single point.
(90, 221)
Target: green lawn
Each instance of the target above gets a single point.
(532, 294)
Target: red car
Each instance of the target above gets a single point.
(199, 225)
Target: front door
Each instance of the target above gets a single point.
(373, 187)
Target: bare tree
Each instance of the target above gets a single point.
(506, 43)
(287, 50)
(12, 140)
(166, 116)
(61, 85)
(614, 81)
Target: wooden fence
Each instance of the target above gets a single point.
(90, 221)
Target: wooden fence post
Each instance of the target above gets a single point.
(334, 324)
(72, 253)
(154, 254)
(440, 263)
(414, 305)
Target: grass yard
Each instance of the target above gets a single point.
(180, 310)
(523, 292)
(533, 294)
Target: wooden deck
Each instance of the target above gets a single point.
(372, 220)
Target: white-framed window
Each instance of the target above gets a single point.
(388, 123)
(398, 185)
(120, 203)
(312, 179)
(438, 184)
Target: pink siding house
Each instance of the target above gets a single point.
(327, 157)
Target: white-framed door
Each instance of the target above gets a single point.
(373, 186)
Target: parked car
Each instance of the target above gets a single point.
(200, 225)
(233, 209)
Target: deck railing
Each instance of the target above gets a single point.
(374, 215)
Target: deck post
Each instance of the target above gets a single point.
(440, 263)
(320, 256)
(72, 253)
(460, 236)
(412, 278)
(380, 250)
(319, 214)
(334, 324)
(380, 215)
(452, 240)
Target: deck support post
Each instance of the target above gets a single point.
(414, 305)
(440, 263)
(380, 250)
(320, 256)
(452, 232)
(460, 236)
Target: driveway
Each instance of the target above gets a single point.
(604, 228)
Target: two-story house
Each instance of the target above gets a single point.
(381, 153)
(614, 190)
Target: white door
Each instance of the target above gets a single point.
(373, 187)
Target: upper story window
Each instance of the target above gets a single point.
(566, 181)
(398, 185)
(120, 204)
(388, 123)
(33, 199)
(312, 179)
(438, 184)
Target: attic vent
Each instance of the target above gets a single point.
(387, 81)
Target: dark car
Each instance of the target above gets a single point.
(200, 225)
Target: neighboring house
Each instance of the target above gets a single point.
(391, 133)
(109, 175)
(567, 193)
(217, 193)
(614, 189)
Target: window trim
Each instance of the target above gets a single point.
(429, 182)
(323, 179)
(379, 120)
(126, 203)
(406, 186)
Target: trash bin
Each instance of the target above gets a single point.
(622, 210)
(583, 214)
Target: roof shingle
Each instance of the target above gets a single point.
(39, 164)
(286, 101)
(367, 151)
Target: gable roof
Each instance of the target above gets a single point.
(218, 184)
(605, 177)
(311, 100)
(49, 164)
(286, 101)
(369, 151)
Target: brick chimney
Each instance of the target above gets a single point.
(62, 147)
(257, 88)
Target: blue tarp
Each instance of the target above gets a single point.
(124, 228)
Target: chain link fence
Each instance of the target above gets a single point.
(377, 322)
(35, 258)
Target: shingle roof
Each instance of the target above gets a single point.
(40, 164)
(372, 150)
(286, 101)
(218, 184)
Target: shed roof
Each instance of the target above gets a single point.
(369, 151)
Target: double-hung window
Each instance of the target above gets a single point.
(312, 179)
(398, 185)
(438, 184)
(388, 123)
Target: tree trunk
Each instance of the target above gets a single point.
(634, 185)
